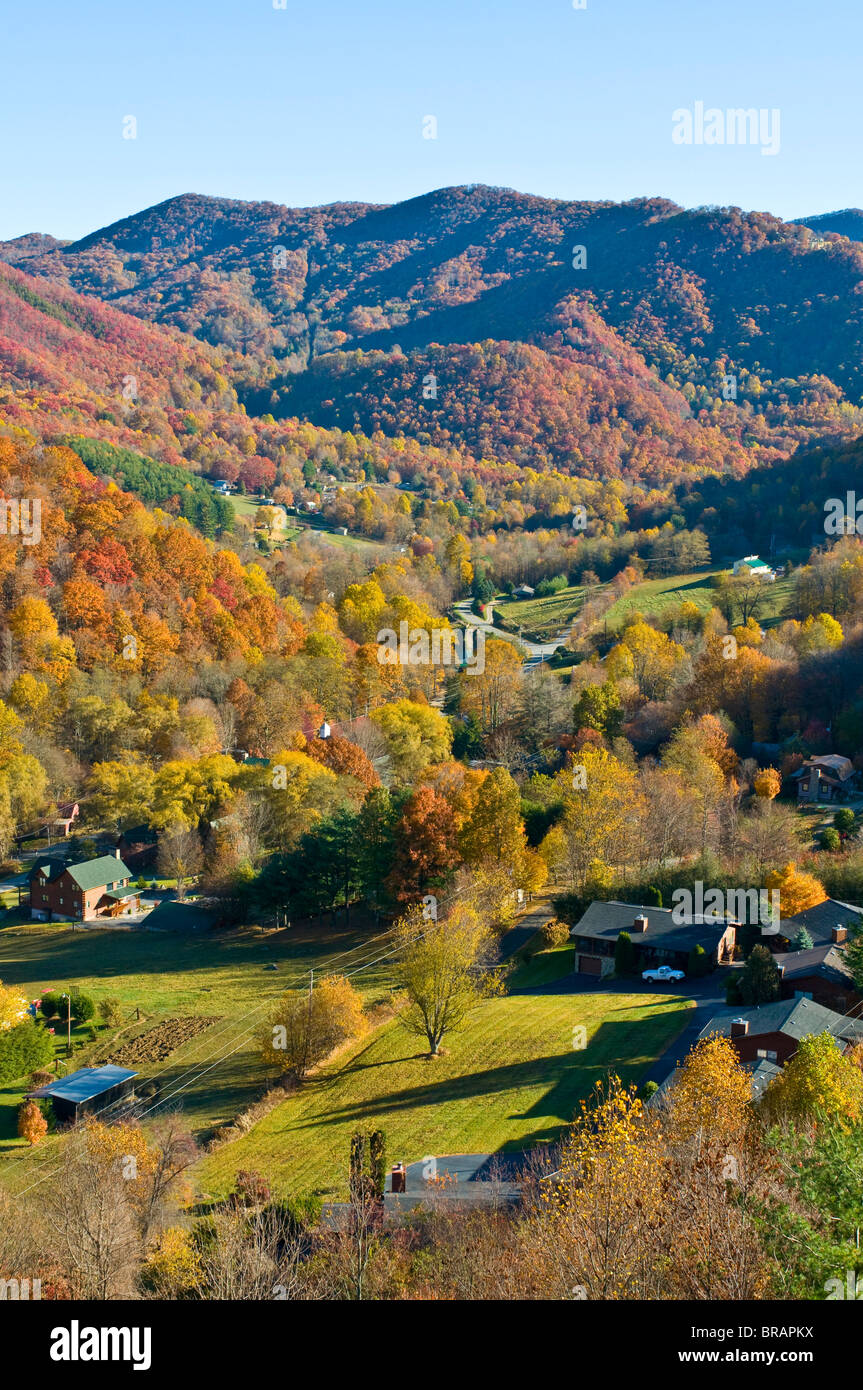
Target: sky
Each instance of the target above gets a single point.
(320, 101)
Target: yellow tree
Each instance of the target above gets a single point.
(32, 1124)
(797, 890)
(767, 783)
(494, 830)
(711, 1093)
(601, 803)
(818, 1079)
(442, 972)
(416, 736)
(13, 1007)
(305, 1026)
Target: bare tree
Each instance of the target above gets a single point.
(180, 856)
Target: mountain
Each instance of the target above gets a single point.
(660, 339)
(32, 244)
(848, 223)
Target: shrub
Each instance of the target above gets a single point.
(111, 1012)
(83, 1008)
(23, 1049)
(32, 1124)
(649, 1089)
(844, 820)
(250, 1189)
(653, 896)
(624, 955)
(554, 932)
(41, 1078)
(53, 1004)
(829, 840)
(698, 964)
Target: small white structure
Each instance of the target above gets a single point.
(754, 567)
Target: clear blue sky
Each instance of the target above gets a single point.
(324, 101)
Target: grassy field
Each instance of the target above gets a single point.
(511, 1079)
(543, 616)
(170, 976)
(655, 596)
(546, 617)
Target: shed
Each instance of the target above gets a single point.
(86, 1091)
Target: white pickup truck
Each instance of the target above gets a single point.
(663, 972)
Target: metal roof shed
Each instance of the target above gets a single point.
(86, 1091)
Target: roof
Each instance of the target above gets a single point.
(820, 920)
(173, 916)
(606, 920)
(754, 562)
(139, 835)
(762, 1073)
(827, 960)
(90, 873)
(84, 1084)
(120, 894)
(796, 1018)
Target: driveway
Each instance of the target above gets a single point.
(524, 929)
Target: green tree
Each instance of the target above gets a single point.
(624, 955)
(760, 981)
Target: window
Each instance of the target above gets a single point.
(766, 1055)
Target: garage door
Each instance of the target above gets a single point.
(590, 965)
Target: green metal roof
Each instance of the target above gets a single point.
(95, 873)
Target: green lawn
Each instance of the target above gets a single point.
(220, 975)
(655, 596)
(510, 1079)
(545, 617)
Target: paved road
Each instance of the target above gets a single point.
(520, 934)
(536, 651)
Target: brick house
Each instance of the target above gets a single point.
(656, 937)
(821, 973)
(92, 890)
(772, 1032)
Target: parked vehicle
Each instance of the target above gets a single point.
(663, 972)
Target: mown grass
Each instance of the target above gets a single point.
(510, 1079)
(543, 616)
(215, 1074)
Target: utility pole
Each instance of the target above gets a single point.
(68, 1023)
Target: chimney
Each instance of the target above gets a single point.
(840, 935)
(739, 1027)
(117, 854)
(640, 923)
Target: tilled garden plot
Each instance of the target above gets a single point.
(159, 1042)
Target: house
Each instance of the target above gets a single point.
(90, 891)
(829, 777)
(523, 591)
(61, 824)
(753, 567)
(827, 922)
(138, 846)
(657, 937)
(820, 973)
(86, 1091)
(772, 1032)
